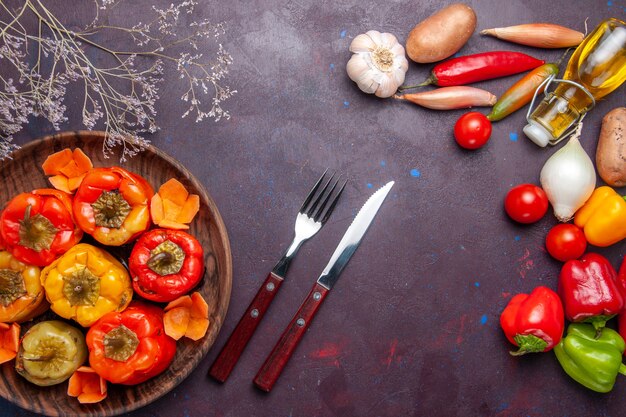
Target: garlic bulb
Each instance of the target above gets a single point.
(568, 178)
(378, 65)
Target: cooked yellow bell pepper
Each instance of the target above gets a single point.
(21, 293)
(603, 217)
(85, 284)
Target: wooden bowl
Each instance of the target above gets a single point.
(24, 173)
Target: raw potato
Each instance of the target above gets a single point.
(442, 34)
(611, 151)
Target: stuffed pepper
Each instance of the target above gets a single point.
(131, 346)
(166, 264)
(21, 293)
(85, 284)
(38, 227)
(112, 205)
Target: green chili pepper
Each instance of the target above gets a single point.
(591, 362)
(521, 92)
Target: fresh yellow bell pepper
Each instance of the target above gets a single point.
(603, 217)
(85, 284)
(21, 293)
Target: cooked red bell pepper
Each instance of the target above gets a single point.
(131, 346)
(112, 205)
(478, 67)
(589, 290)
(534, 321)
(165, 264)
(38, 227)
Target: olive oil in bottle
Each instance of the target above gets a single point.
(597, 67)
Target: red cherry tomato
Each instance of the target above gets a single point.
(472, 130)
(566, 241)
(526, 203)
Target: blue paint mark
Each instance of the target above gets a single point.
(609, 3)
(383, 163)
(187, 396)
(483, 319)
(346, 104)
(415, 173)
(343, 33)
(458, 54)
(332, 66)
(186, 413)
(477, 284)
(168, 139)
(513, 136)
(369, 185)
(518, 238)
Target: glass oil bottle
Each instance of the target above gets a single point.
(597, 67)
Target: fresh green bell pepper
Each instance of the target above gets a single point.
(591, 362)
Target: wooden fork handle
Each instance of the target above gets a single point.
(276, 361)
(230, 353)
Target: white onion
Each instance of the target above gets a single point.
(568, 178)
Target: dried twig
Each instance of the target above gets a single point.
(122, 95)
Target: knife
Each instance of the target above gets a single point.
(276, 361)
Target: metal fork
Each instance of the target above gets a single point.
(315, 211)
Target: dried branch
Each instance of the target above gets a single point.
(121, 95)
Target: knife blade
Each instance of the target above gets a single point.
(274, 364)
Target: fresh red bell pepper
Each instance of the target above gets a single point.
(621, 281)
(38, 227)
(165, 264)
(590, 290)
(534, 322)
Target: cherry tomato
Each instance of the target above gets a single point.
(566, 241)
(526, 203)
(472, 130)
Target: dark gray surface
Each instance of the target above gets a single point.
(412, 326)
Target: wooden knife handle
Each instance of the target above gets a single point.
(276, 361)
(230, 353)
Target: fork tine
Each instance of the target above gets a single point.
(318, 199)
(333, 203)
(312, 192)
(320, 209)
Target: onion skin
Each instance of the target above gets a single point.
(450, 98)
(539, 35)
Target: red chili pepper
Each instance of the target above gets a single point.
(166, 264)
(589, 290)
(533, 322)
(478, 67)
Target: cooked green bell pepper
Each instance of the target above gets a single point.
(591, 362)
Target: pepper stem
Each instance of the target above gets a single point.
(430, 80)
(622, 369)
(528, 343)
(167, 258)
(598, 323)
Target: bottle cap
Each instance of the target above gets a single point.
(537, 133)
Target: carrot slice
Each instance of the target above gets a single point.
(170, 209)
(74, 183)
(169, 224)
(60, 182)
(174, 191)
(87, 385)
(53, 163)
(176, 322)
(70, 169)
(82, 161)
(156, 208)
(9, 341)
(187, 316)
(189, 209)
(182, 301)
